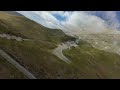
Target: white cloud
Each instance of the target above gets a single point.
(76, 21)
(79, 21)
(42, 17)
(110, 18)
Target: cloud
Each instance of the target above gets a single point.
(42, 17)
(82, 21)
(110, 17)
(75, 21)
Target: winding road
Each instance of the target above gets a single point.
(59, 50)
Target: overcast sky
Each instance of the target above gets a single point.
(76, 21)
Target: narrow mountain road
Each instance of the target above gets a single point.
(59, 50)
(58, 53)
(17, 65)
(8, 36)
(12, 37)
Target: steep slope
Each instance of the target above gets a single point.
(13, 13)
(94, 63)
(36, 57)
(35, 54)
(8, 71)
(26, 28)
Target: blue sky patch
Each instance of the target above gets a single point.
(59, 17)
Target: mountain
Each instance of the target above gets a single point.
(21, 26)
(34, 52)
(13, 13)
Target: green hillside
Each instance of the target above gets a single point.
(94, 63)
(37, 58)
(36, 54)
(13, 13)
(21, 26)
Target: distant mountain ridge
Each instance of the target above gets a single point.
(13, 13)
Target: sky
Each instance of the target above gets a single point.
(75, 22)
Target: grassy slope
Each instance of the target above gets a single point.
(13, 13)
(8, 71)
(38, 59)
(27, 28)
(94, 63)
(87, 62)
(35, 55)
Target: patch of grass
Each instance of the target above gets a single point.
(93, 62)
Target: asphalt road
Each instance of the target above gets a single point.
(59, 50)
